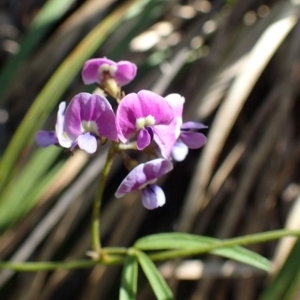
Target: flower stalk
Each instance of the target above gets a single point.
(96, 244)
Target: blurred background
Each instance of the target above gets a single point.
(236, 62)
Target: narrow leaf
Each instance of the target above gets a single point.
(166, 241)
(157, 282)
(129, 279)
(283, 283)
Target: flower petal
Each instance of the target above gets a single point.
(127, 113)
(132, 181)
(87, 142)
(176, 101)
(156, 106)
(165, 138)
(141, 175)
(180, 151)
(126, 71)
(143, 139)
(95, 108)
(193, 140)
(46, 138)
(60, 118)
(153, 197)
(192, 125)
(144, 104)
(156, 168)
(62, 137)
(90, 69)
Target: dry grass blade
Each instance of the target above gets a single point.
(229, 110)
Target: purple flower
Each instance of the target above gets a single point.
(176, 101)
(98, 70)
(88, 119)
(187, 137)
(58, 137)
(150, 117)
(143, 178)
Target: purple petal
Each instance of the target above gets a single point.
(87, 142)
(126, 71)
(46, 138)
(132, 181)
(143, 139)
(192, 125)
(141, 105)
(156, 106)
(94, 108)
(126, 116)
(179, 151)
(156, 168)
(153, 197)
(193, 140)
(90, 69)
(141, 175)
(165, 138)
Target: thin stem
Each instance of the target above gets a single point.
(60, 265)
(98, 199)
(239, 241)
(109, 258)
(115, 250)
(129, 146)
(47, 266)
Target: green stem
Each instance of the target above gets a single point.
(239, 241)
(115, 250)
(109, 255)
(46, 266)
(98, 199)
(60, 265)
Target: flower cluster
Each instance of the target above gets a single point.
(144, 121)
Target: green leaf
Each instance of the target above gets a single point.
(129, 279)
(157, 282)
(166, 241)
(286, 283)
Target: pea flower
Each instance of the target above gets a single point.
(143, 178)
(186, 136)
(88, 120)
(97, 70)
(147, 116)
(58, 137)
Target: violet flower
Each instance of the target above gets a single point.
(58, 137)
(187, 138)
(97, 70)
(150, 117)
(89, 119)
(143, 178)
